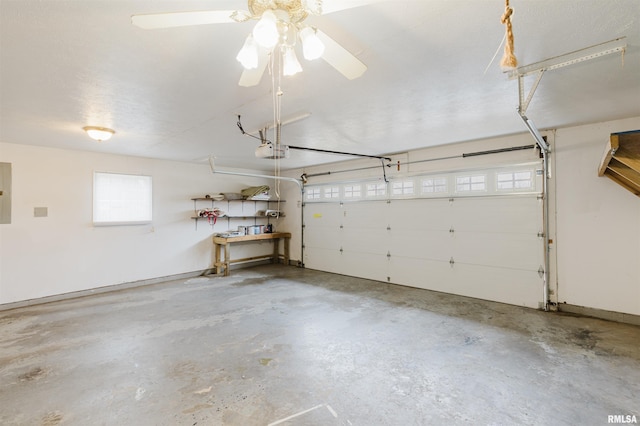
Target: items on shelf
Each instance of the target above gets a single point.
(270, 213)
(247, 230)
(212, 214)
(237, 208)
(232, 196)
(256, 192)
(217, 197)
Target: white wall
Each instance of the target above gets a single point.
(64, 252)
(598, 235)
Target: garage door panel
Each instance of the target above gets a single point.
(322, 237)
(422, 244)
(420, 273)
(323, 260)
(522, 288)
(363, 240)
(366, 265)
(423, 214)
(498, 214)
(515, 251)
(322, 214)
(366, 215)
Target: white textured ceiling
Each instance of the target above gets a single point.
(173, 93)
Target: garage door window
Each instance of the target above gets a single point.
(332, 192)
(404, 187)
(352, 191)
(313, 193)
(476, 183)
(434, 185)
(376, 190)
(515, 180)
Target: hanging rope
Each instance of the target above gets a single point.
(509, 60)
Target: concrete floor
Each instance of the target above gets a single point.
(289, 346)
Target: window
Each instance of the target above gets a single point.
(121, 199)
(376, 189)
(434, 185)
(313, 193)
(332, 192)
(515, 180)
(352, 191)
(404, 187)
(471, 183)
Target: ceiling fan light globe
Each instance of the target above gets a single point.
(248, 55)
(266, 30)
(312, 46)
(291, 66)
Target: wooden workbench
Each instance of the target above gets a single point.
(219, 242)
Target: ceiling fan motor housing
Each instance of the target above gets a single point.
(294, 8)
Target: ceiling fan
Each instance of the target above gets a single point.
(280, 25)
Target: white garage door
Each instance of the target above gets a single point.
(476, 233)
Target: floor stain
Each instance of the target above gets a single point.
(33, 374)
(51, 419)
(585, 338)
(470, 340)
(251, 281)
(265, 361)
(196, 408)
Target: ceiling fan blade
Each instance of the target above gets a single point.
(329, 6)
(340, 58)
(180, 19)
(252, 77)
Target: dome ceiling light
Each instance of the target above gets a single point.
(99, 134)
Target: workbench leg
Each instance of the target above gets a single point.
(216, 261)
(286, 251)
(227, 257)
(276, 251)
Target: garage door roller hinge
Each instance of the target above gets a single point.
(541, 272)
